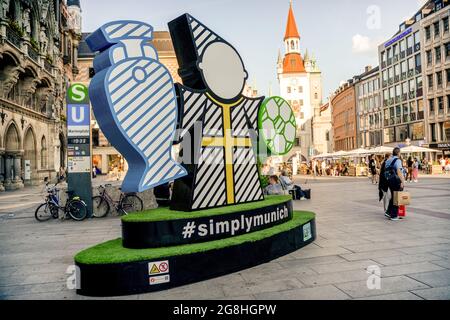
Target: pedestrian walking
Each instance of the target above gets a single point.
(415, 173)
(383, 185)
(396, 181)
(62, 174)
(443, 163)
(409, 169)
(373, 169)
(447, 165)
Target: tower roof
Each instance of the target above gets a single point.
(291, 27)
(293, 63)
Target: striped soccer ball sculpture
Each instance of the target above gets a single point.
(277, 125)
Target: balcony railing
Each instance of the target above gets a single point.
(13, 37)
(48, 66)
(33, 54)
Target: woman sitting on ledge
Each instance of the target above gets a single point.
(274, 187)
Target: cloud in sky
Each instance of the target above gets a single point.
(363, 44)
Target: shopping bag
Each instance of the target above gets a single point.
(402, 198)
(402, 211)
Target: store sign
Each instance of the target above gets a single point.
(440, 145)
(397, 38)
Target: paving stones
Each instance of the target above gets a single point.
(413, 255)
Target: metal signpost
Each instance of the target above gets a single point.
(79, 144)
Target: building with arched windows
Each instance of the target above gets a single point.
(38, 60)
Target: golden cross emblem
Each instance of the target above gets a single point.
(228, 142)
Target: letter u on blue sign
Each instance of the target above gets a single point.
(78, 115)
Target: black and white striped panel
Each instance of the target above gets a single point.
(247, 186)
(210, 181)
(193, 108)
(202, 35)
(239, 122)
(213, 123)
(251, 107)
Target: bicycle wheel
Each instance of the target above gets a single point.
(43, 213)
(77, 210)
(131, 203)
(100, 207)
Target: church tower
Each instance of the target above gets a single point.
(296, 87)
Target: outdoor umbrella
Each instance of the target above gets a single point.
(322, 156)
(416, 149)
(339, 154)
(358, 152)
(381, 150)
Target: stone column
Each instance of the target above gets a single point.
(2, 166)
(18, 170)
(8, 171)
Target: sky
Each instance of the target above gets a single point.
(342, 34)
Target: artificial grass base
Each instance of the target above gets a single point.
(109, 269)
(164, 213)
(113, 251)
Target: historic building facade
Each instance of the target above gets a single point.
(435, 32)
(38, 60)
(343, 106)
(322, 129)
(106, 157)
(300, 81)
(368, 109)
(412, 74)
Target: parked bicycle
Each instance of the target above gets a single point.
(74, 208)
(127, 203)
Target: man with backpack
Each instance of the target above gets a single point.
(396, 181)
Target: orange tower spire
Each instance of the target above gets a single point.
(291, 28)
(293, 61)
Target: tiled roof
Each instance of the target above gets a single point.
(293, 63)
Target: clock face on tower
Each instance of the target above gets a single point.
(294, 82)
(316, 84)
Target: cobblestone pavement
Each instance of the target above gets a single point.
(413, 254)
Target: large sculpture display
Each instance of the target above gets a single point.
(219, 221)
(224, 169)
(134, 102)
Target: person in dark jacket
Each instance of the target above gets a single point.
(383, 185)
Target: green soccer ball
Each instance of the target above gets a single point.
(277, 126)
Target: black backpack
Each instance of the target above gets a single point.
(391, 174)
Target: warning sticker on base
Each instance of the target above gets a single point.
(158, 267)
(159, 279)
(307, 234)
